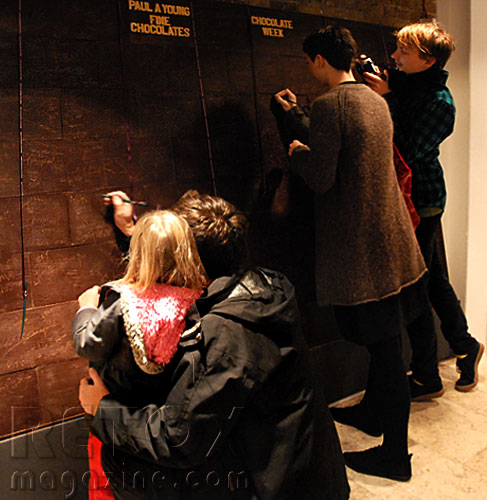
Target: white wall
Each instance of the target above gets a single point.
(455, 152)
(463, 157)
(477, 209)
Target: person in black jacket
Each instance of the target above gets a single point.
(239, 417)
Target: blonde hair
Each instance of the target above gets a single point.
(430, 39)
(163, 250)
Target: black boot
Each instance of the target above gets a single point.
(467, 366)
(424, 391)
(376, 462)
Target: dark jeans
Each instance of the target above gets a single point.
(446, 305)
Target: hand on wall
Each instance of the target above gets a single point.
(286, 99)
(123, 213)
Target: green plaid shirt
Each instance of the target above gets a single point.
(423, 112)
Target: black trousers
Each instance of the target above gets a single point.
(387, 398)
(446, 305)
(388, 393)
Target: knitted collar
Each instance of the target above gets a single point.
(404, 83)
(154, 321)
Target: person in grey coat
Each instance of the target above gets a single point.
(368, 264)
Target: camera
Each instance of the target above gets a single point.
(364, 64)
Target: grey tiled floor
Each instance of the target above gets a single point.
(448, 440)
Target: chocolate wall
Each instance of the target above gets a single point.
(90, 102)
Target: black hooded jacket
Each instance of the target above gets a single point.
(241, 419)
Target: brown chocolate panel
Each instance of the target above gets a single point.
(87, 223)
(191, 157)
(235, 146)
(215, 69)
(93, 114)
(61, 399)
(181, 74)
(375, 41)
(9, 158)
(274, 154)
(233, 129)
(46, 337)
(42, 114)
(221, 25)
(224, 48)
(240, 76)
(70, 19)
(145, 67)
(61, 166)
(59, 63)
(11, 297)
(115, 164)
(10, 230)
(9, 61)
(225, 60)
(162, 115)
(164, 60)
(8, 19)
(110, 63)
(153, 161)
(46, 222)
(11, 291)
(61, 275)
(174, 142)
(36, 397)
(20, 405)
(9, 114)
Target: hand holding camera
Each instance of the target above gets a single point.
(364, 64)
(373, 76)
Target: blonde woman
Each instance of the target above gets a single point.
(130, 329)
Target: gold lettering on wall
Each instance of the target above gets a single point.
(160, 19)
(272, 26)
(276, 32)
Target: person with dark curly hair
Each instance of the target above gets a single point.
(368, 266)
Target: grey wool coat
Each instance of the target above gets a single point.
(366, 249)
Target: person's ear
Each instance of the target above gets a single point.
(430, 61)
(320, 60)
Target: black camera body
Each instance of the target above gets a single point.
(364, 64)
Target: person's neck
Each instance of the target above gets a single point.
(337, 77)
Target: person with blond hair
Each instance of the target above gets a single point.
(423, 113)
(130, 329)
(135, 330)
